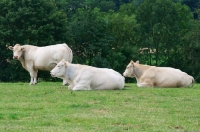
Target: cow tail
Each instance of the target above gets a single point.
(71, 54)
(70, 57)
(192, 84)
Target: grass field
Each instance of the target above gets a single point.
(50, 107)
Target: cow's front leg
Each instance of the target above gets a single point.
(33, 75)
(81, 87)
(70, 87)
(71, 84)
(64, 82)
(31, 82)
(144, 84)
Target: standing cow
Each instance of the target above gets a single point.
(151, 76)
(35, 58)
(83, 77)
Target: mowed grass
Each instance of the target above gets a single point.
(49, 106)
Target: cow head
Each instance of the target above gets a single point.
(17, 51)
(129, 72)
(59, 69)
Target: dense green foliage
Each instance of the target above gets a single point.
(51, 107)
(106, 33)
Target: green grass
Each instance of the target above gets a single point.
(49, 107)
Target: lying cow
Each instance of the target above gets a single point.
(35, 58)
(151, 76)
(82, 77)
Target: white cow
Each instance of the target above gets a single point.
(151, 76)
(35, 58)
(83, 77)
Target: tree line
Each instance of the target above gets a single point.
(105, 33)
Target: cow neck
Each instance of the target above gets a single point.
(139, 69)
(22, 60)
(69, 71)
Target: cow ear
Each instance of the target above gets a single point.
(65, 63)
(22, 48)
(132, 63)
(63, 60)
(10, 47)
(138, 62)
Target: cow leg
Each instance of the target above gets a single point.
(71, 84)
(33, 75)
(64, 82)
(144, 84)
(31, 82)
(70, 87)
(81, 87)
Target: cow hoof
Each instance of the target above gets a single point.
(32, 83)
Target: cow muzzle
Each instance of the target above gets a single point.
(15, 57)
(124, 74)
(53, 75)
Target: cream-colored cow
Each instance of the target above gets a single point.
(83, 77)
(152, 76)
(35, 58)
